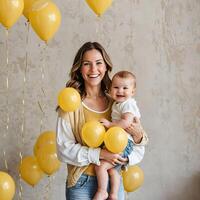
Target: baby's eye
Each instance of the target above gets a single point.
(115, 87)
(125, 88)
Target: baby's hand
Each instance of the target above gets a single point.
(105, 122)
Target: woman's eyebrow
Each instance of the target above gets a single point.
(90, 61)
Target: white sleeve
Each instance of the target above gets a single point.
(136, 155)
(71, 152)
(130, 106)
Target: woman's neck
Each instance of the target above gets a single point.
(93, 93)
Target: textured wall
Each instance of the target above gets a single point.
(160, 41)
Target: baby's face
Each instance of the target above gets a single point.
(122, 89)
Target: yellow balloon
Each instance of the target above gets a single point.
(47, 159)
(47, 137)
(93, 133)
(30, 170)
(27, 7)
(7, 186)
(10, 11)
(45, 18)
(69, 99)
(133, 178)
(99, 6)
(116, 139)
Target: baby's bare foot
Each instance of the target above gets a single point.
(100, 195)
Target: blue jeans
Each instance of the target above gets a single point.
(127, 151)
(86, 188)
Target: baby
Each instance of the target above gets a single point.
(124, 110)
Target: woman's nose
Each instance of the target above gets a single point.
(93, 67)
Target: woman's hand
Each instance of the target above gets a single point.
(136, 130)
(112, 158)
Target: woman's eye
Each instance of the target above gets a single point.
(125, 88)
(99, 63)
(85, 64)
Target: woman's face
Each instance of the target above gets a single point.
(93, 68)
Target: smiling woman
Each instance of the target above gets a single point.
(90, 77)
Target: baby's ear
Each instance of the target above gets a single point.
(134, 91)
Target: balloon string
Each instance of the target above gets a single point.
(48, 187)
(7, 100)
(98, 27)
(20, 179)
(41, 104)
(23, 110)
(126, 195)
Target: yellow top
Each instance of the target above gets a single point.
(94, 115)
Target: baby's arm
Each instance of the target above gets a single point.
(124, 122)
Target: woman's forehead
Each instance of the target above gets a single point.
(91, 55)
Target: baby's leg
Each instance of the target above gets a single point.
(114, 183)
(102, 178)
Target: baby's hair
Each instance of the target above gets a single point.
(126, 74)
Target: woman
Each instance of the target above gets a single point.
(90, 77)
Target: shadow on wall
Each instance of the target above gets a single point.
(190, 190)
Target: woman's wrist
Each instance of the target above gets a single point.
(138, 137)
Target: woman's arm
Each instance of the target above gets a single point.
(139, 135)
(69, 151)
(137, 155)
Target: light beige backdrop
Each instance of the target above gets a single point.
(159, 40)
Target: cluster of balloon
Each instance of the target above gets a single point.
(93, 133)
(32, 168)
(115, 139)
(45, 18)
(7, 186)
(45, 152)
(99, 6)
(10, 11)
(69, 99)
(133, 178)
(43, 15)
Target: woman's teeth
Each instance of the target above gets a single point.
(93, 76)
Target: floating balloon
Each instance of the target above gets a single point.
(7, 186)
(69, 99)
(30, 170)
(10, 11)
(115, 139)
(133, 178)
(93, 133)
(45, 18)
(27, 7)
(47, 137)
(47, 159)
(99, 6)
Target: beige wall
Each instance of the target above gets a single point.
(160, 41)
